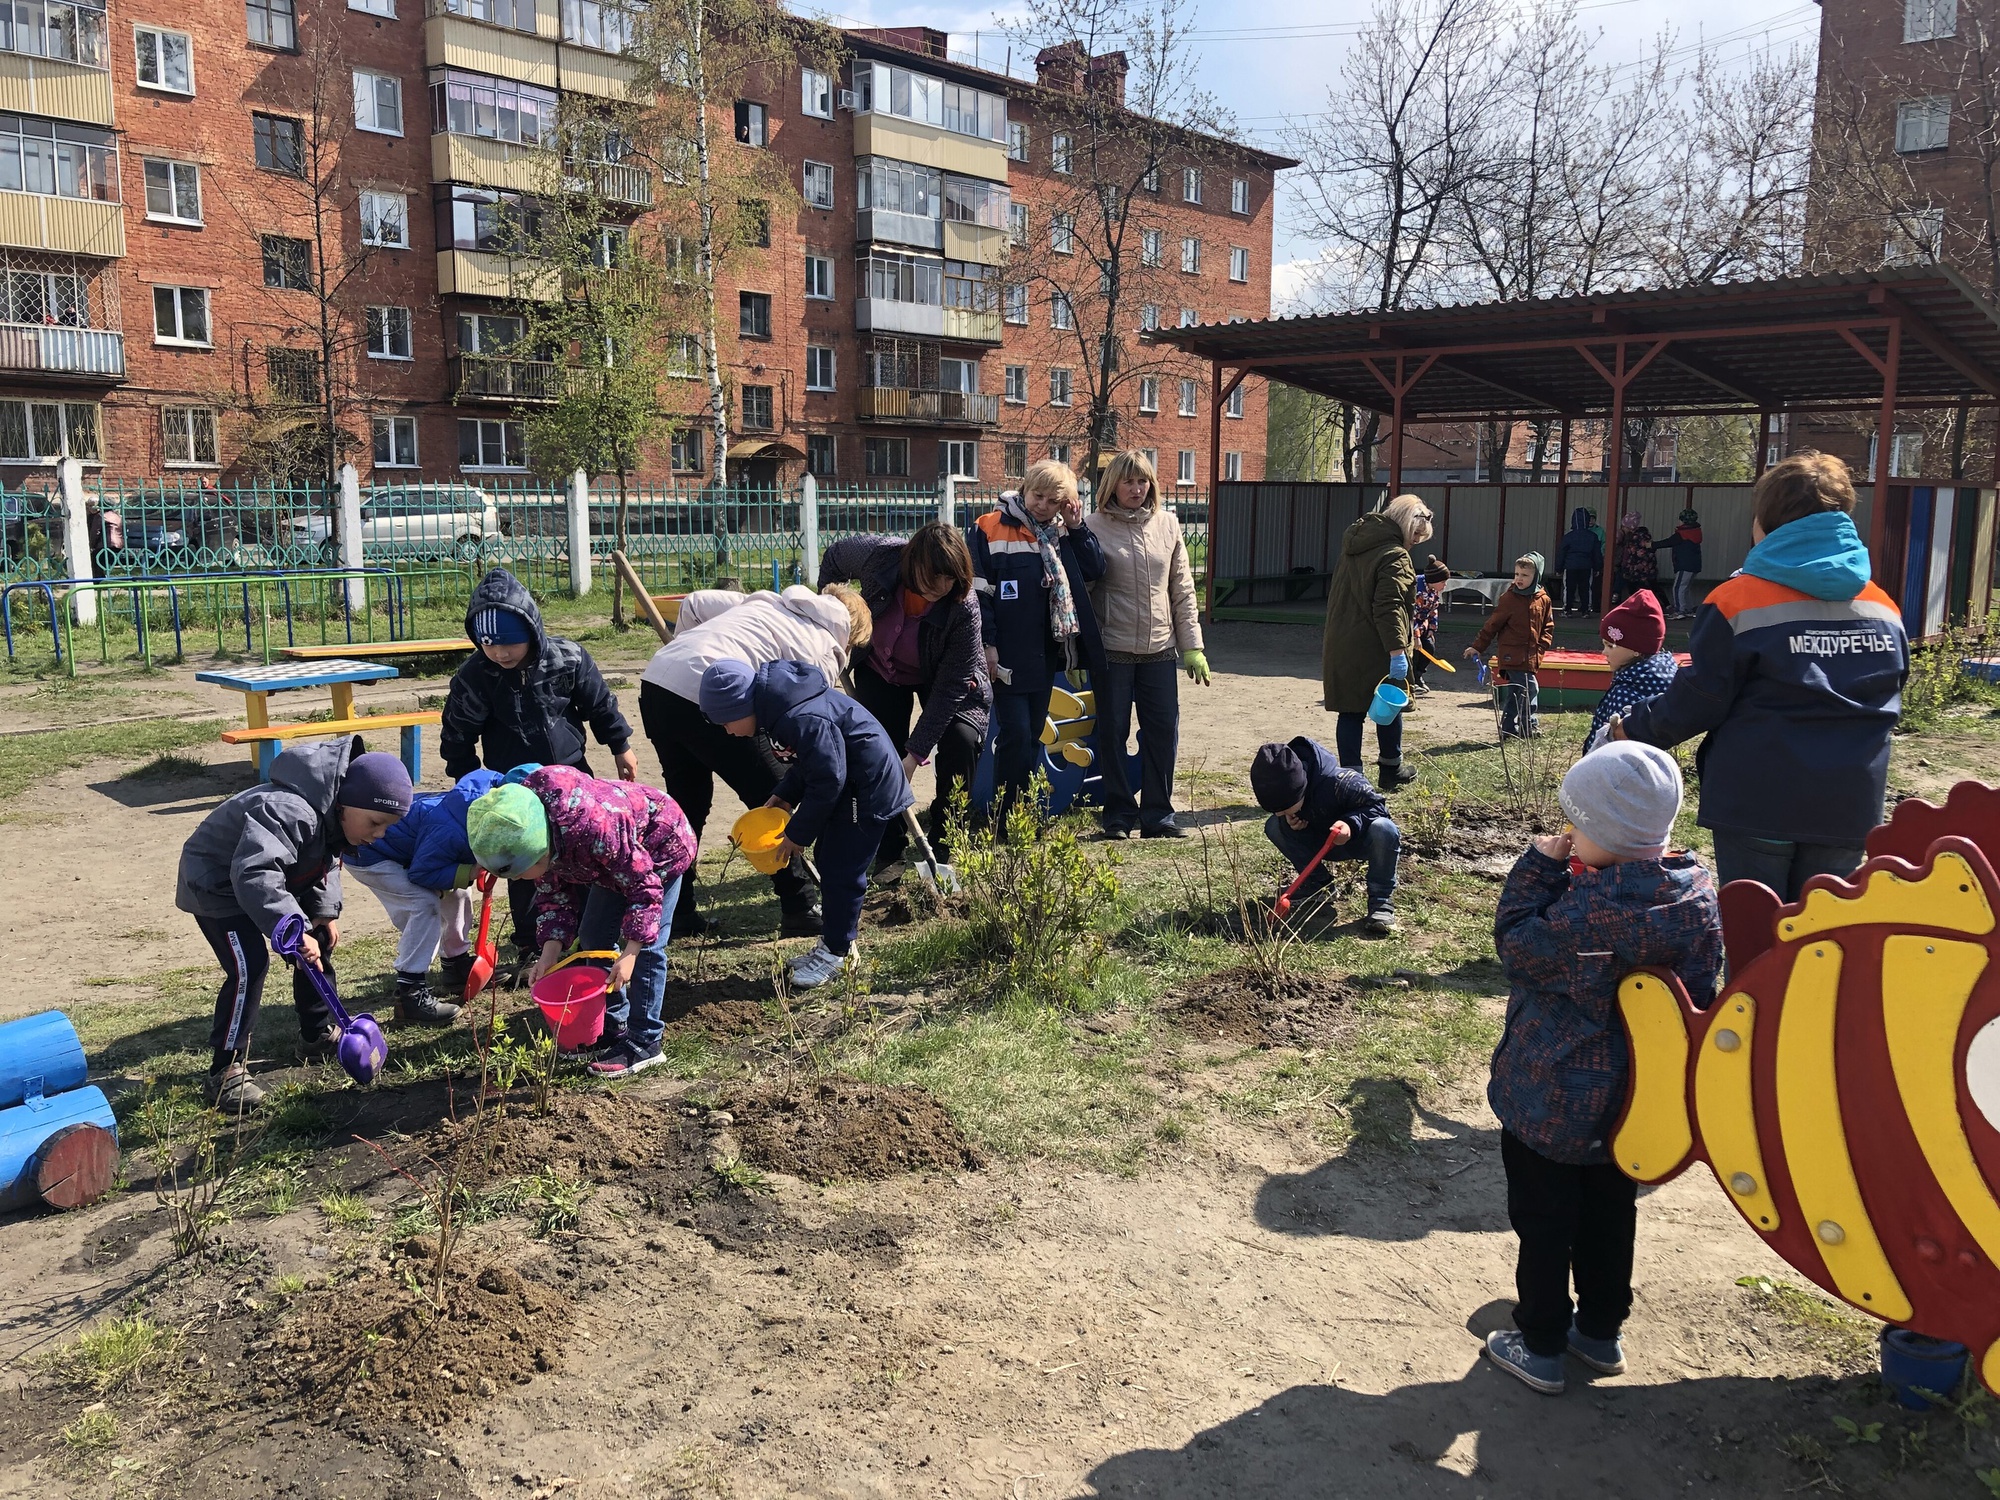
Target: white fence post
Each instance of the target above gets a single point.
(355, 589)
(76, 538)
(579, 534)
(948, 500)
(809, 528)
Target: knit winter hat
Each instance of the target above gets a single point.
(1690, 518)
(1277, 777)
(1637, 624)
(377, 782)
(1533, 560)
(500, 627)
(1437, 572)
(725, 691)
(508, 829)
(1624, 797)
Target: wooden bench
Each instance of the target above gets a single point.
(372, 650)
(270, 738)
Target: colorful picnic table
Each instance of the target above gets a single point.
(369, 650)
(257, 683)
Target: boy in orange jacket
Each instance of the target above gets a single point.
(1521, 627)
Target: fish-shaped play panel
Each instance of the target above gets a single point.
(1845, 1085)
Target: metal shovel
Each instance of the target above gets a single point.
(940, 879)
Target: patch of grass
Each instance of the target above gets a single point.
(27, 760)
(91, 1433)
(113, 1354)
(170, 766)
(346, 1211)
(555, 1202)
(287, 1286)
(739, 1174)
(1829, 1330)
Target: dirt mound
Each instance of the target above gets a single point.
(1246, 1004)
(721, 1018)
(1480, 839)
(840, 1128)
(597, 1136)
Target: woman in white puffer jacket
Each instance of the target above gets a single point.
(1146, 613)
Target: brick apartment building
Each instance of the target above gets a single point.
(199, 202)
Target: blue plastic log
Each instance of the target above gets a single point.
(39, 1055)
(24, 1127)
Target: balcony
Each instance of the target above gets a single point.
(887, 226)
(970, 326)
(882, 403)
(884, 315)
(76, 226)
(486, 377)
(92, 353)
(614, 182)
(486, 273)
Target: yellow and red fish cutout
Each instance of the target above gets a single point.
(1845, 1086)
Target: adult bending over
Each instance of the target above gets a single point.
(1368, 629)
(1146, 612)
(925, 653)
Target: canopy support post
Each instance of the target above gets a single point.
(1885, 435)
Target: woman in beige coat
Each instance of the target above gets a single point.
(1145, 606)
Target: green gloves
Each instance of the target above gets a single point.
(466, 874)
(1195, 664)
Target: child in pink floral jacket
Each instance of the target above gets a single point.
(607, 858)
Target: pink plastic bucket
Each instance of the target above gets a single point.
(572, 1000)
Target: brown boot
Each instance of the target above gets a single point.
(232, 1092)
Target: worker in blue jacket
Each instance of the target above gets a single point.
(421, 870)
(845, 785)
(1310, 796)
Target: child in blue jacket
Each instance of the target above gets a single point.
(1634, 637)
(845, 784)
(1309, 795)
(1686, 546)
(1579, 912)
(421, 871)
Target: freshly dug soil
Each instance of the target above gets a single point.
(595, 1136)
(719, 1018)
(1246, 1004)
(1481, 838)
(838, 1127)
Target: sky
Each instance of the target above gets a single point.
(1280, 67)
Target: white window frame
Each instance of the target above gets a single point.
(1062, 312)
(1190, 255)
(159, 35)
(1184, 472)
(1239, 263)
(1150, 243)
(503, 467)
(1149, 317)
(1062, 233)
(1017, 223)
(386, 324)
(1151, 180)
(1929, 20)
(1059, 153)
(391, 425)
(188, 419)
(1233, 407)
(1017, 385)
(1232, 468)
(1189, 317)
(757, 121)
(951, 448)
(1190, 184)
(175, 169)
(63, 410)
(819, 277)
(371, 203)
(1149, 394)
(1190, 398)
(1014, 305)
(819, 367)
(176, 340)
(825, 172)
(1902, 247)
(1061, 389)
(1923, 125)
(383, 8)
(1059, 453)
(368, 101)
(1017, 141)
(815, 94)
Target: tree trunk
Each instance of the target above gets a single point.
(718, 395)
(623, 531)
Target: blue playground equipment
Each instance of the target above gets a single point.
(1069, 753)
(58, 1140)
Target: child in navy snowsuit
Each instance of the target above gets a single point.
(1686, 545)
(845, 784)
(1310, 795)
(1635, 635)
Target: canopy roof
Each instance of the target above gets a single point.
(1799, 343)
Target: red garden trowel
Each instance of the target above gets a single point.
(1285, 901)
(362, 1049)
(485, 952)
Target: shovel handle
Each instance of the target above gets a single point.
(1285, 901)
(642, 599)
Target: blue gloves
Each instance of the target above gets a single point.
(1399, 666)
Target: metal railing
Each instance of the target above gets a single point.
(613, 181)
(491, 377)
(55, 349)
(885, 403)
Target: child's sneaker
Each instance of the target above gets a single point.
(1606, 1356)
(1541, 1372)
(625, 1059)
(454, 971)
(1381, 919)
(818, 966)
(232, 1092)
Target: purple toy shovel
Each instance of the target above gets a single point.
(363, 1049)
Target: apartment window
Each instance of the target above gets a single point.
(1017, 385)
(753, 123)
(287, 263)
(1191, 257)
(685, 454)
(180, 315)
(395, 442)
(1151, 180)
(1191, 184)
(1014, 304)
(1149, 395)
(374, 7)
(1923, 124)
(1059, 152)
(272, 23)
(1239, 195)
(819, 184)
(1013, 460)
(1061, 314)
(165, 59)
(1187, 398)
(756, 405)
(385, 220)
(1017, 223)
(485, 443)
(614, 246)
(887, 277)
(1915, 237)
(1059, 452)
(496, 108)
(753, 314)
(819, 277)
(1239, 263)
(959, 375)
(1017, 141)
(57, 159)
(489, 333)
(1189, 317)
(600, 26)
(173, 191)
(1059, 387)
(756, 216)
(389, 333)
(819, 367)
(822, 455)
(1232, 467)
(1233, 407)
(684, 356)
(1929, 20)
(1185, 473)
(815, 93)
(516, 15)
(882, 89)
(293, 374)
(61, 298)
(475, 218)
(280, 144)
(1149, 316)
(885, 458)
(958, 459)
(188, 436)
(378, 102)
(71, 32)
(1062, 233)
(44, 431)
(1149, 247)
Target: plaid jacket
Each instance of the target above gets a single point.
(1565, 940)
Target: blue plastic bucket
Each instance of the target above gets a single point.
(1912, 1363)
(1390, 700)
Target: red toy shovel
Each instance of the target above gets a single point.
(485, 954)
(1285, 901)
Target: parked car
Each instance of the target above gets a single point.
(413, 520)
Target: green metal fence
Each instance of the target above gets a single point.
(680, 537)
